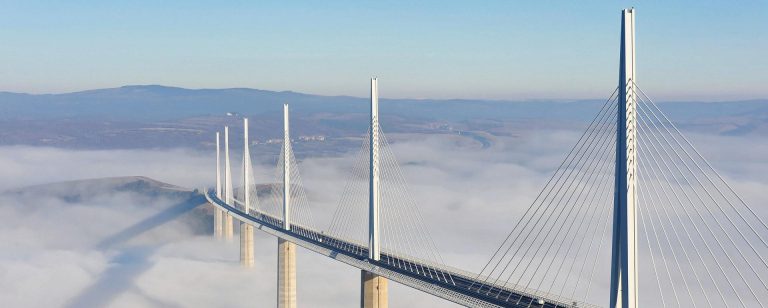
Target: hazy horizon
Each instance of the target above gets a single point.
(384, 97)
(499, 50)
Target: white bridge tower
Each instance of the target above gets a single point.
(286, 251)
(624, 242)
(374, 287)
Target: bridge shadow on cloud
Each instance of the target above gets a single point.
(119, 277)
(131, 262)
(156, 220)
(154, 302)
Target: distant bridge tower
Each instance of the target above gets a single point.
(624, 242)
(217, 212)
(374, 198)
(374, 287)
(229, 197)
(286, 170)
(246, 230)
(286, 251)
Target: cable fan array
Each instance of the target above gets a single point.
(553, 250)
(405, 241)
(267, 200)
(252, 190)
(301, 213)
(706, 246)
(699, 243)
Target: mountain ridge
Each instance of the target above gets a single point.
(157, 116)
(143, 87)
(159, 102)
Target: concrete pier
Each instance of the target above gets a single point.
(373, 291)
(286, 274)
(246, 245)
(217, 222)
(229, 233)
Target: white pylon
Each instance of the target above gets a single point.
(373, 288)
(246, 169)
(218, 166)
(229, 197)
(286, 170)
(286, 251)
(624, 243)
(374, 197)
(217, 212)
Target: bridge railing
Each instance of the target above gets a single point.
(362, 264)
(423, 285)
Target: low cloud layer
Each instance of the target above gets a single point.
(470, 197)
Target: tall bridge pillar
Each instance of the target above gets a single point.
(624, 253)
(374, 293)
(246, 231)
(286, 251)
(286, 274)
(247, 258)
(217, 212)
(374, 287)
(229, 197)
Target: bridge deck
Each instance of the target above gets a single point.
(431, 278)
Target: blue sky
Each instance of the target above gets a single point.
(705, 50)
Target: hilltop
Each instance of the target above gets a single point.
(154, 116)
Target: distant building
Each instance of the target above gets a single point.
(312, 138)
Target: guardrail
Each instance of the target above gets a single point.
(316, 243)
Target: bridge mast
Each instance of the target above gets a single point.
(624, 243)
(286, 251)
(374, 246)
(374, 292)
(218, 166)
(246, 168)
(286, 170)
(217, 212)
(228, 191)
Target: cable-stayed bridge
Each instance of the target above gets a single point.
(633, 209)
